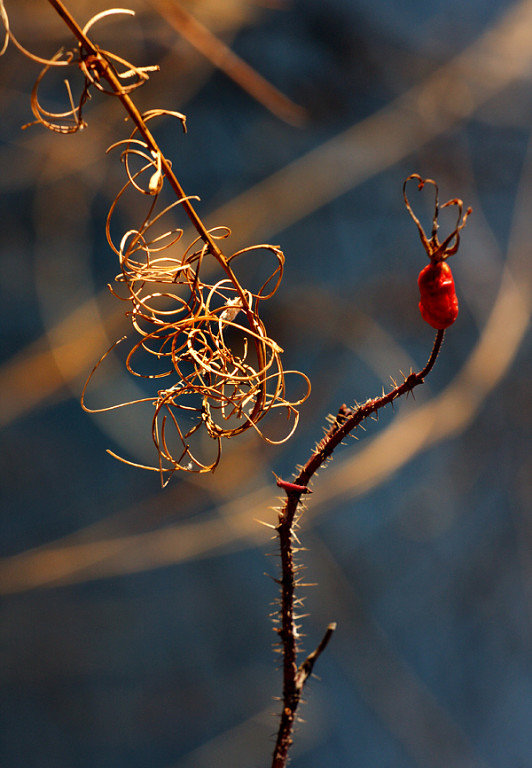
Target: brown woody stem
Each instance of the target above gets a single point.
(294, 677)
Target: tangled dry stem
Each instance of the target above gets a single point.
(198, 325)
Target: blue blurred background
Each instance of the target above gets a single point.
(136, 627)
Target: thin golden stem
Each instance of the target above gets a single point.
(108, 72)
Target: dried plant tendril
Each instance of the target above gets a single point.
(91, 65)
(198, 328)
(195, 318)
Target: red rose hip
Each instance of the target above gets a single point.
(438, 304)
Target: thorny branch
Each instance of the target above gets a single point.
(294, 676)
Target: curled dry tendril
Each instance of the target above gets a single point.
(198, 323)
(70, 120)
(198, 328)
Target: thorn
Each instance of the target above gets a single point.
(261, 522)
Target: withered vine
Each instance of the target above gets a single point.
(193, 317)
(200, 327)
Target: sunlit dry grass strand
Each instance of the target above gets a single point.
(219, 54)
(5, 21)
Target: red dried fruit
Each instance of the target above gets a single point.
(438, 305)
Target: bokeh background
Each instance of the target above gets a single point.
(136, 627)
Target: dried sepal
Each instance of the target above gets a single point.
(436, 250)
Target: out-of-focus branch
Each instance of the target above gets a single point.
(219, 54)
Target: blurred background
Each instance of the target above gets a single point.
(136, 625)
